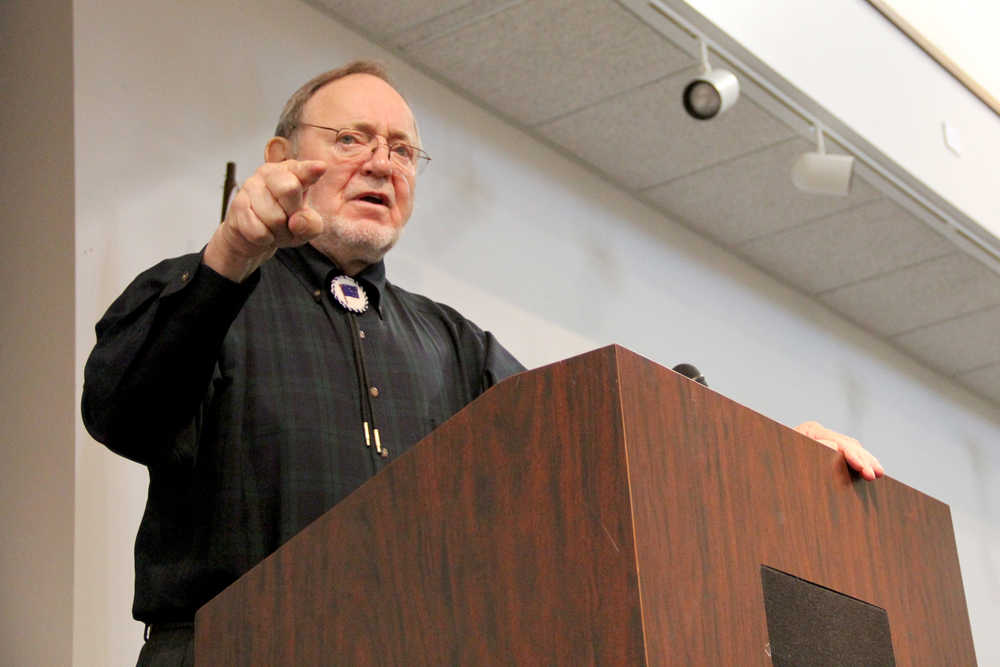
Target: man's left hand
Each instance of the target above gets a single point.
(856, 456)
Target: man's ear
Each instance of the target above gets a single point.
(278, 149)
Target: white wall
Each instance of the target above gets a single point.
(856, 64)
(36, 333)
(965, 32)
(547, 255)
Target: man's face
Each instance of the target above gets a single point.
(364, 202)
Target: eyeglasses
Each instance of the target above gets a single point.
(351, 143)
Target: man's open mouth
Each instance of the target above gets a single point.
(374, 198)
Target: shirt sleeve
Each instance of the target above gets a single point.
(152, 367)
(499, 363)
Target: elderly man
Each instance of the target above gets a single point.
(264, 379)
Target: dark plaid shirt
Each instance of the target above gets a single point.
(244, 403)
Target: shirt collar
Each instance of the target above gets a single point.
(314, 266)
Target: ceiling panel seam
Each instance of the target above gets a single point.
(953, 318)
(458, 27)
(760, 149)
(879, 276)
(590, 105)
(437, 17)
(741, 245)
(977, 369)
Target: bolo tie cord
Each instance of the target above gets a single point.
(371, 432)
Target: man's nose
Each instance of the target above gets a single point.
(379, 161)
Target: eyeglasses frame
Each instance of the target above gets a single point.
(422, 158)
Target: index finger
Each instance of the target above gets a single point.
(307, 171)
(286, 185)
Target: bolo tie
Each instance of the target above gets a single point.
(350, 295)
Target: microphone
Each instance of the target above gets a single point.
(691, 372)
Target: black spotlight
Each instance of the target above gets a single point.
(711, 93)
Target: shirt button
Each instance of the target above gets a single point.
(373, 390)
(185, 276)
(361, 333)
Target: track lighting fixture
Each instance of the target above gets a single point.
(822, 173)
(711, 92)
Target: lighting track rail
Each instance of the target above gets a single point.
(960, 234)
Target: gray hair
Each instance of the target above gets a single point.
(292, 113)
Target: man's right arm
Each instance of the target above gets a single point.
(155, 356)
(148, 375)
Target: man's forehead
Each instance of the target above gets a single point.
(361, 101)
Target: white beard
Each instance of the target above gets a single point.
(347, 242)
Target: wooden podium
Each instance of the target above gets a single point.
(599, 511)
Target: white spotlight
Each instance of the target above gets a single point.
(823, 174)
(712, 92)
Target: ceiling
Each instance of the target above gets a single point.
(591, 77)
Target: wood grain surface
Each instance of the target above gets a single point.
(719, 490)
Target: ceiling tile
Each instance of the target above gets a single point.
(538, 60)
(930, 292)
(874, 238)
(750, 196)
(644, 137)
(382, 19)
(957, 345)
(450, 22)
(986, 381)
